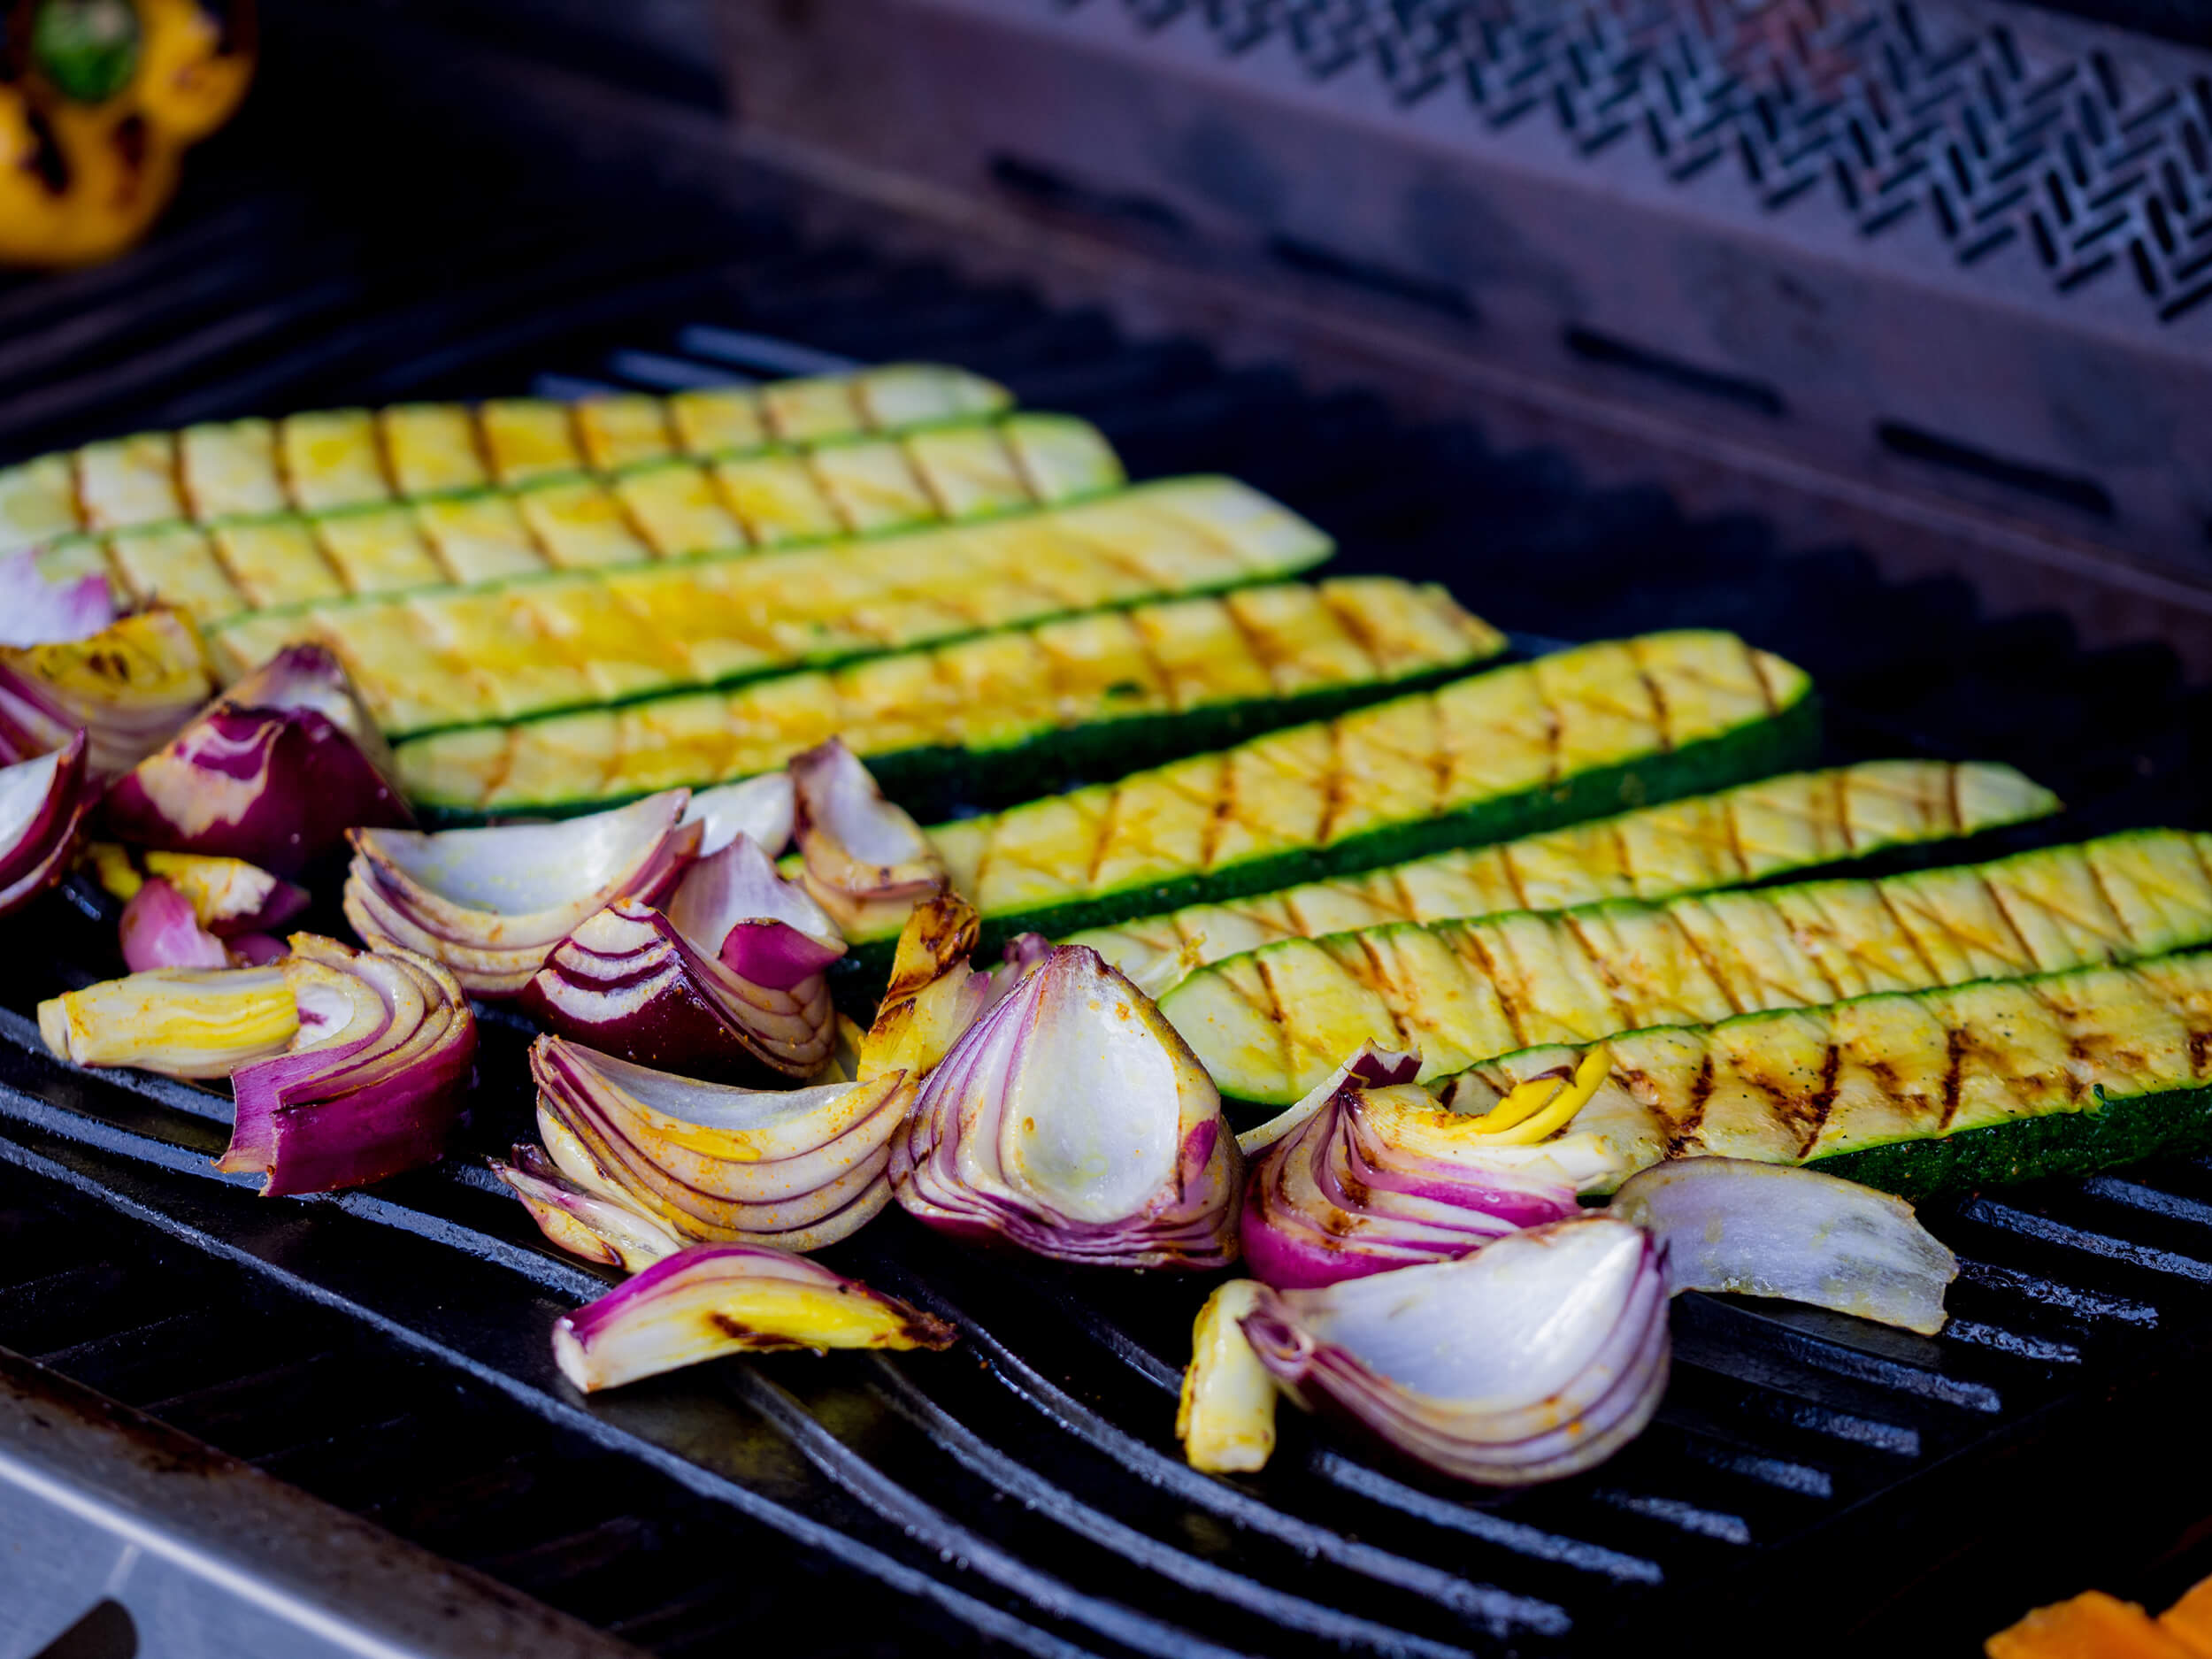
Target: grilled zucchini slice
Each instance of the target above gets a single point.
(1918, 1093)
(505, 650)
(344, 457)
(1271, 1024)
(1798, 821)
(998, 717)
(548, 516)
(1505, 753)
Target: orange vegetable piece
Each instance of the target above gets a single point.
(2092, 1625)
(2190, 1620)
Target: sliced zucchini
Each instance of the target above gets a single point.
(1918, 1093)
(462, 656)
(570, 520)
(1514, 750)
(327, 458)
(1748, 833)
(997, 717)
(1271, 1024)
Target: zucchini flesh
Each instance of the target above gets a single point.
(1917, 1092)
(552, 517)
(1271, 1024)
(344, 457)
(1740, 835)
(1513, 751)
(535, 645)
(999, 717)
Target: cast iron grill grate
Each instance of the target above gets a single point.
(388, 1352)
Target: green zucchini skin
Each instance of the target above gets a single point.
(940, 779)
(1788, 740)
(2117, 1131)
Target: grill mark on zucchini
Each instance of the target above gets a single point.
(1595, 946)
(2123, 1091)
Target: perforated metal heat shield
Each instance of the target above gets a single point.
(1812, 1485)
(1952, 254)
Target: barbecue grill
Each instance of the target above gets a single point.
(193, 1379)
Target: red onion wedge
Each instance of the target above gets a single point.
(129, 688)
(1227, 1419)
(760, 808)
(275, 771)
(582, 1222)
(1070, 1120)
(183, 1022)
(36, 611)
(863, 858)
(160, 930)
(718, 1298)
(491, 905)
(628, 982)
(1374, 1175)
(1537, 1356)
(43, 802)
(1774, 1230)
(375, 1083)
(797, 1168)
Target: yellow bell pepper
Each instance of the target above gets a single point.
(94, 130)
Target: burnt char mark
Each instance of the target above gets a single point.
(1822, 1101)
(1954, 1043)
(1683, 1131)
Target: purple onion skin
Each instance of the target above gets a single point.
(307, 1126)
(775, 954)
(325, 1146)
(258, 949)
(287, 784)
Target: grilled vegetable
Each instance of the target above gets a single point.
(1739, 835)
(1515, 749)
(1539, 1356)
(717, 1299)
(43, 803)
(1227, 1419)
(1919, 1093)
(129, 688)
(669, 510)
(460, 657)
(1001, 717)
(94, 134)
(183, 1022)
(358, 457)
(1271, 1025)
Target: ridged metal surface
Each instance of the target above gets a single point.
(388, 1351)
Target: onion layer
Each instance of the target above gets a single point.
(161, 930)
(936, 993)
(375, 1082)
(183, 1022)
(1536, 1357)
(229, 896)
(580, 1221)
(129, 688)
(1227, 1419)
(1368, 1174)
(275, 771)
(760, 808)
(1772, 1230)
(1071, 1120)
(799, 1168)
(718, 1298)
(36, 611)
(863, 858)
(628, 982)
(490, 904)
(43, 806)
(733, 904)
